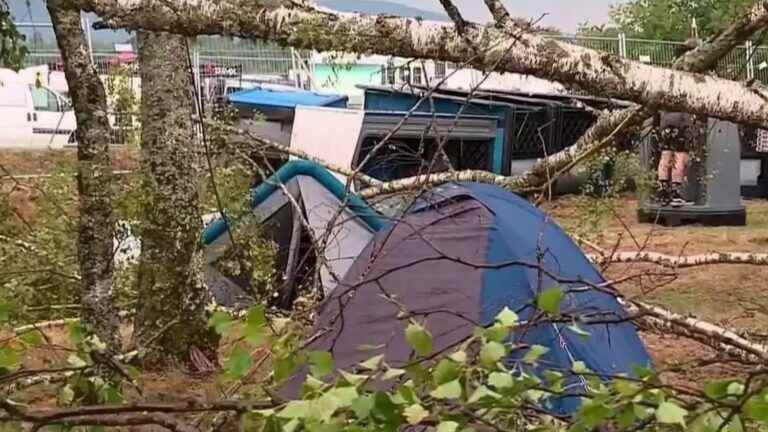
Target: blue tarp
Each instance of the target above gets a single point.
(266, 97)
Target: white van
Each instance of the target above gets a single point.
(33, 116)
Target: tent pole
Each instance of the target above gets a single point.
(293, 256)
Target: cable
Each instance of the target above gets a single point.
(200, 108)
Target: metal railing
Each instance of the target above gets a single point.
(744, 62)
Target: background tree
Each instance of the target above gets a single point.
(672, 19)
(12, 48)
(94, 178)
(172, 294)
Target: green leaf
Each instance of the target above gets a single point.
(284, 367)
(736, 388)
(133, 371)
(32, 338)
(447, 370)
(352, 379)
(5, 312)
(481, 393)
(415, 413)
(555, 380)
(491, 353)
(419, 339)
(111, 395)
(549, 300)
(580, 331)
(507, 318)
(76, 361)
(579, 367)
(392, 373)
(534, 353)
(292, 425)
(9, 358)
(593, 413)
(344, 396)
(386, 411)
(66, 395)
(459, 357)
(447, 426)
(405, 396)
(500, 380)
(717, 389)
(670, 413)
(239, 362)
(757, 408)
(626, 418)
(362, 407)
(496, 333)
(222, 322)
(255, 325)
(450, 390)
(625, 387)
(372, 363)
(294, 410)
(76, 333)
(321, 363)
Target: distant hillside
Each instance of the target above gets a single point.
(35, 11)
(382, 7)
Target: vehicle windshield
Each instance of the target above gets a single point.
(44, 99)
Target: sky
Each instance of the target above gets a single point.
(563, 14)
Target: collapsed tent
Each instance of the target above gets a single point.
(300, 204)
(460, 255)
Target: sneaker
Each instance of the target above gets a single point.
(663, 195)
(677, 199)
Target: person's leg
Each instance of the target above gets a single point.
(680, 167)
(679, 170)
(665, 166)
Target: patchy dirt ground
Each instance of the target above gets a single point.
(28, 162)
(730, 295)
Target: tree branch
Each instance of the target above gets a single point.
(671, 261)
(719, 338)
(499, 13)
(455, 15)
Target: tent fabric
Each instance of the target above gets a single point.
(266, 97)
(321, 198)
(460, 255)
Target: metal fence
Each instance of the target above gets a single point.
(744, 62)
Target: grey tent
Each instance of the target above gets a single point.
(294, 208)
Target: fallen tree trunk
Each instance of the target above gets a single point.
(325, 30)
(672, 261)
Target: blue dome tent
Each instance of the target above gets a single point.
(458, 257)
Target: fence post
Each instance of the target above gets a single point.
(622, 45)
(750, 52)
(196, 77)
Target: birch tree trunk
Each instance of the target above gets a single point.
(170, 322)
(94, 176)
